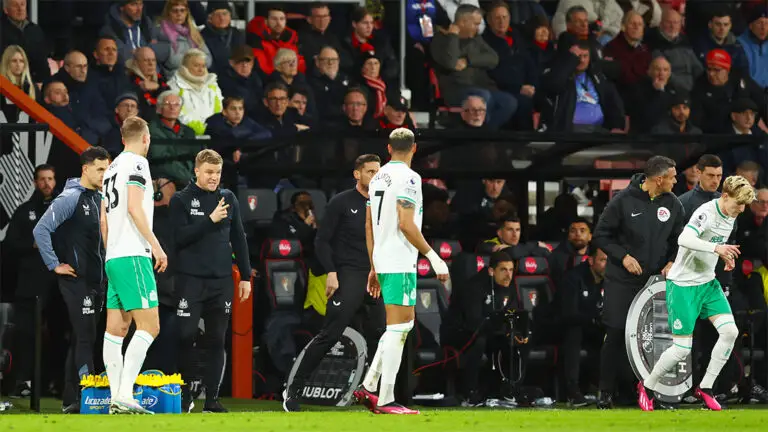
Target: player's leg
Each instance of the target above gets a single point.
(82, 307)
(399, 293)
(189, 291)
(216, 311)
(683, 308)
(716, 308)
(339, 311)
(118, 322)
(139, 299)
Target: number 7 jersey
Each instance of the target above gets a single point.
(123, 238)
(392, 253)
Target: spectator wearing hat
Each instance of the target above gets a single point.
(743, 114)
(463, 60)
(753, 42)
(126, 105)
(314, 39)
(329, 85)
(632, 54)
(130, 28)
(515, 73)
(370, 78)
(396, 115)
(677, 121)
(713, 92)
(588, 102)
(669, 41)
(267, 36)
(651, 97)
(720, 36)
(364, 41)
(107, 72)
(239, 79)
(219, 35)
(17, 29)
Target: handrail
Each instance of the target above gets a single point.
(41, 115)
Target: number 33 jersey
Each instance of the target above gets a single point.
(392, 253)
(123, 238)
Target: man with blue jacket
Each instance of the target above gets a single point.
(68, 237)
(755, 46)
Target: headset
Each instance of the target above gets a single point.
(158, 195)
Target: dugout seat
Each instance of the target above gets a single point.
(448, 250)
(257, 206)
(535, 294)
(465, 265)
(285, 275)
(318, 199)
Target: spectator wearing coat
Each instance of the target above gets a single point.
(219, 35)
(17, 29)
(669, 41)
(177, 33)
(754, 43)
(130, 28)
(240, 79)
(198, 89)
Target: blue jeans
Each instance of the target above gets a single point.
(501, 105)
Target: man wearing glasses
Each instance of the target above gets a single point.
(280, 118)
(329, 85)
(173, 162)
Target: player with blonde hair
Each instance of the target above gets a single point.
(126, 221)
(693, 292)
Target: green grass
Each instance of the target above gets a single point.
(266, 416)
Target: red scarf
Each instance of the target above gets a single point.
(363, 47)
(152, 100)
(384, 123)
(378, 85)
(542, 45)
(508, 37)
(176, 125)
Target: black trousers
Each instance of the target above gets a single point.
(83, 300)
(211, 300)
(351, 306)
(588, 337)
(614, 363)
(471, 359)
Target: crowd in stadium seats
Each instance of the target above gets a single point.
(608, 66)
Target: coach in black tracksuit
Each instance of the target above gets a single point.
(207, 229)
(340, 247)
(68, 237)
(638, 231)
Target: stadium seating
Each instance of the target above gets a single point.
(285, 274)
(257, 206)
(318, 199)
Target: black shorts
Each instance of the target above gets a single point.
(200, 296)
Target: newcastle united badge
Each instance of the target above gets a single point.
(648, 335)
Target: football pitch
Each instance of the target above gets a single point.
(249, 415)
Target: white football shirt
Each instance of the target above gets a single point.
(123, 238)
(392, 253)
(694, 267)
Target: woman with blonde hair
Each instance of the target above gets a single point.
(177, 33)
(198, 89)
(15, 66)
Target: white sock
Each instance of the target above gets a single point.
(678, 352)
(393, 341)
(134, 359)
(113, 361)
(371, 381)
(728, 331)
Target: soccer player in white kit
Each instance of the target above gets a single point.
(394, 240)
(126, 223)
(693, 292)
